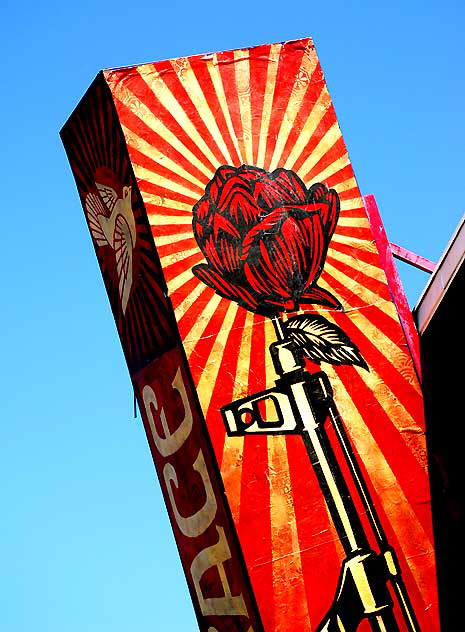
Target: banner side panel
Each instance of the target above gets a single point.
(175, 428)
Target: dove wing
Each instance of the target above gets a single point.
(123, 251)
(109, 197)
(95, 208)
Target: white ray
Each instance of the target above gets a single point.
(159, 157)
(242, 75)
(155, 82)
(299, 90)
(188, 78)
(142, 111)
(318, 111)
(272, 69)
(218, 84)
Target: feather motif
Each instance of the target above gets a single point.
(323, 341)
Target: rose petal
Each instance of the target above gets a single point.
(316, 192)
(280, 305)
(201, 218)
(317, 294)
(329, 200)
(215, 185)
(224, 288)
(237, 202)
(221, 223)
(304, 245)
(198, 230)
(317, 245)
(229, 253)
(266, 225)
(282, 263)
(291, 182)
(333, 212)
(200, 210)
(278, 189)
(225, 172)
(268, 286)
(222, 254)
(251, 174)
(303, 241)
(232, 185)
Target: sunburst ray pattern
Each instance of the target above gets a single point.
(269, 107)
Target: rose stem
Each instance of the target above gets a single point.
(278, 327)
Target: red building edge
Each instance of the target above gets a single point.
(439, 317)
(394, 282)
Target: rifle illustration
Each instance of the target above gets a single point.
(303, 405)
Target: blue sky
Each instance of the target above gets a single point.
(84, 540)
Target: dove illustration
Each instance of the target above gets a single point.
(111, 221)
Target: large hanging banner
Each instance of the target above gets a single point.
(273, 375)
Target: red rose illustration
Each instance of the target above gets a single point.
(265, 237)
